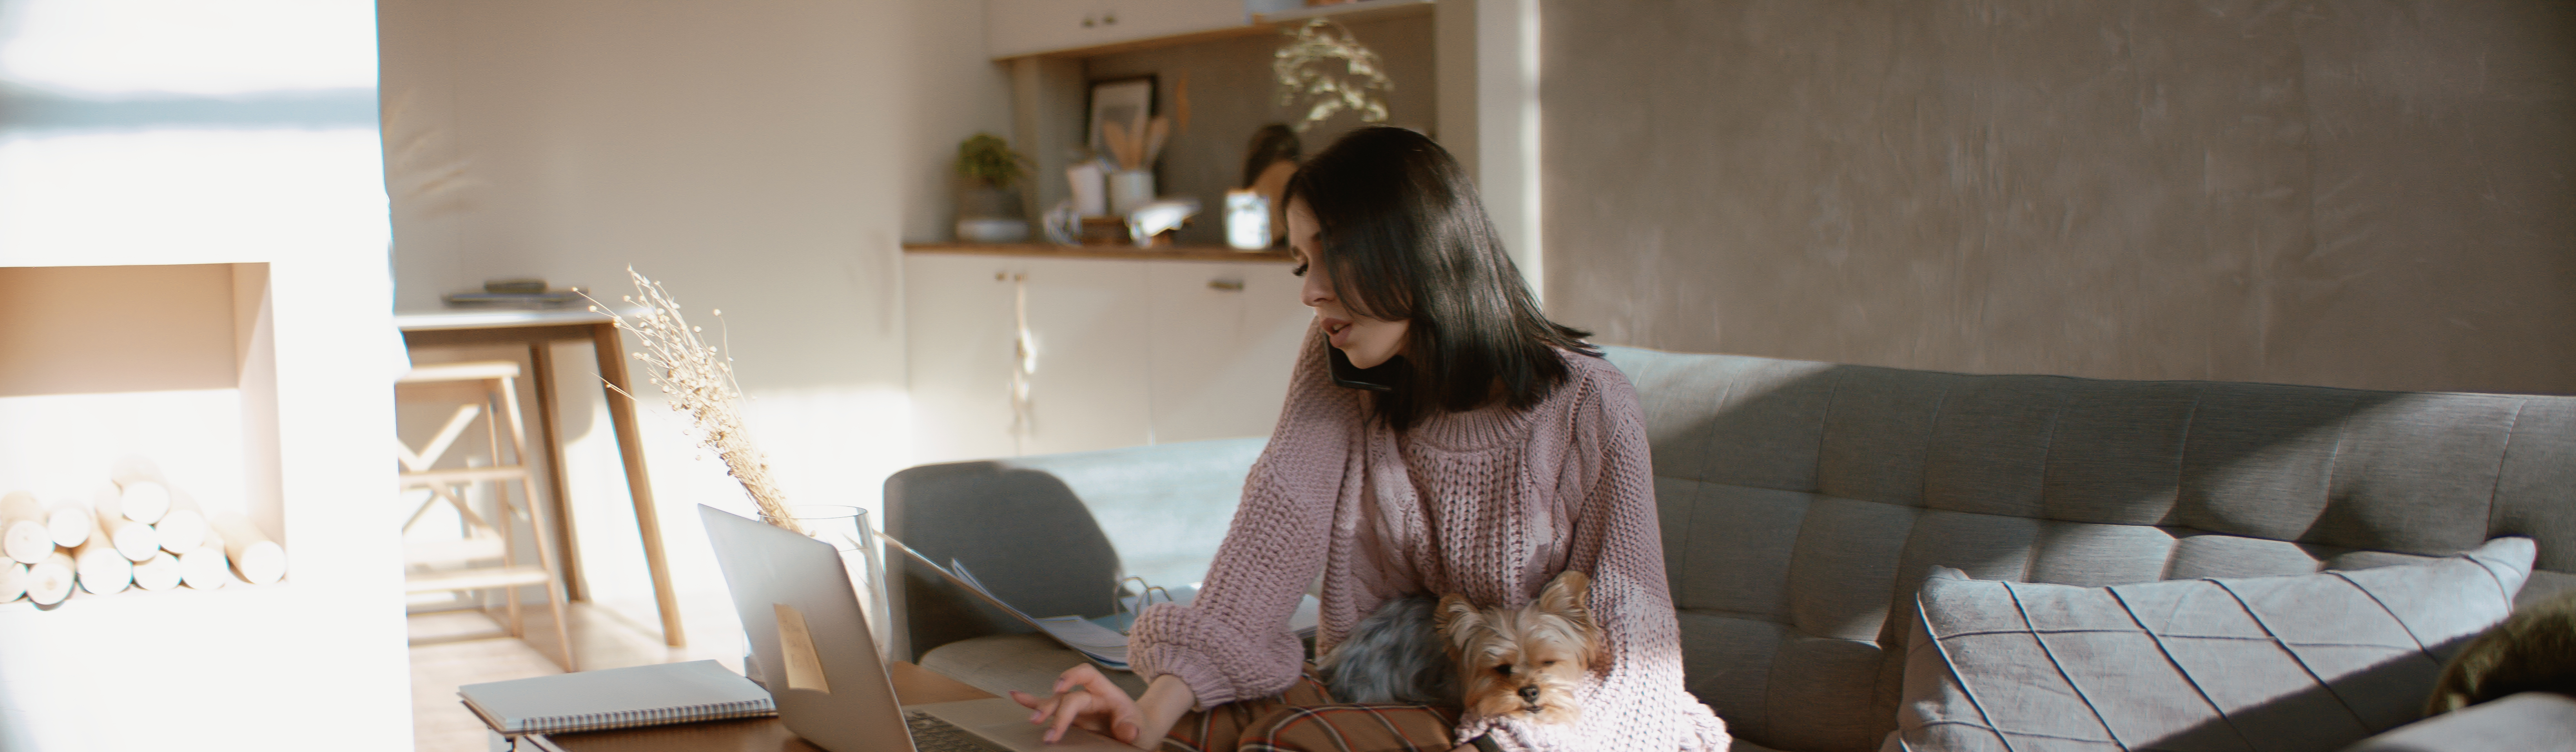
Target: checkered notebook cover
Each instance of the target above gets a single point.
(617, 698)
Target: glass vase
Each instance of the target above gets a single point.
(847, 529)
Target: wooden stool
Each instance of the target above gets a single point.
(488, 389)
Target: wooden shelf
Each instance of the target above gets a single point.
(1049, 250)
(1271, 23)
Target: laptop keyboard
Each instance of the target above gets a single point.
(929, 734)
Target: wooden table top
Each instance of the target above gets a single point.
(913, 685)
(1111, 251)
(472, 318)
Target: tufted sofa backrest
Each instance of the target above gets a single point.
(1803, 503)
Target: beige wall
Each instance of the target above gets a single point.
(764, 157)
(2361, 194)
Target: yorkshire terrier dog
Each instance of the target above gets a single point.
(1525, 662)
(1494, 661)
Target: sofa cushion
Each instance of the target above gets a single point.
(2301, 662)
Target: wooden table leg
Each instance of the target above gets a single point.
(621, 410)
(541, 357)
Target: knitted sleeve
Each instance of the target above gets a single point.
(1232, 641)
(1637, 700)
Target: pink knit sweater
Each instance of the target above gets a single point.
(1491, 503)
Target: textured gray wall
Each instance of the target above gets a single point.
(2361, 194)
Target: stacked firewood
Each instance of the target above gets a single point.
(134, 530)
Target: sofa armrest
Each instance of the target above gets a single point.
(1052, 534)
(2533, 721)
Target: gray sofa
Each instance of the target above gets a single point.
(1803, 503)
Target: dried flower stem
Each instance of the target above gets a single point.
(1304, 69)
(699, 380)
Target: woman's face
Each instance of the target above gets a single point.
(1368, 342)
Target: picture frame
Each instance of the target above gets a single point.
(1127, 101)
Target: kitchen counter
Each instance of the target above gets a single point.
(1050, 250)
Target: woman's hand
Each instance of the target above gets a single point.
(1094, 703)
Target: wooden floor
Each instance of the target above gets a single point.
(454, 648)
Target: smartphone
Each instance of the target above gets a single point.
(1379, 379)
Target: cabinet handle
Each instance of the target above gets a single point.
(1087, 22)
(1228, 285)
(1111, 19)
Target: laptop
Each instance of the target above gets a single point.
(812, 644)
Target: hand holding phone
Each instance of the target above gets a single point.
(1379, 379)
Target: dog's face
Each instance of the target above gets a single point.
(1525, 662)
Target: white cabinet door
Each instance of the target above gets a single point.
(1221, 356)
(1087, 385)
(958, 335)
(1124, 353)
(1143, 19)
(1087, 322)
(1021, 27)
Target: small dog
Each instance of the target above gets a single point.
(1526, 661)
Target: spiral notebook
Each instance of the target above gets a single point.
(617, 698)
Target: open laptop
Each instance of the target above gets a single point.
(812, 645)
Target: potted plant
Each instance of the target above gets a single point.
(988, 210)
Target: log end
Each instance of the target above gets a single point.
(102, 570)
(161, 572)
(136, 541)
(27, 541)
(13, 581)
(181, 531)
(261, 562)
(70, 524)
(205, 568)
(50, 582)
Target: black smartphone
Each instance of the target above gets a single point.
(1379, 379)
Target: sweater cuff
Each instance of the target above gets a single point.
(1508, 736)
(1208, 687)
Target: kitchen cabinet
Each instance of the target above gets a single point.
(1224, 337)
(1021, 27)
(1016, 355)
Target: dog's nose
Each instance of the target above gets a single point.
(1529, 694)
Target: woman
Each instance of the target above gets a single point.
(1501, 451)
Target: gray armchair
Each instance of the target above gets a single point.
(1051, 535)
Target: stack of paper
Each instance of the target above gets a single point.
(1101, 644)
(1103, 639)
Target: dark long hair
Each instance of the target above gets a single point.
(1406, 238)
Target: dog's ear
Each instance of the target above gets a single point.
(1569, 597)
(1454, 618)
